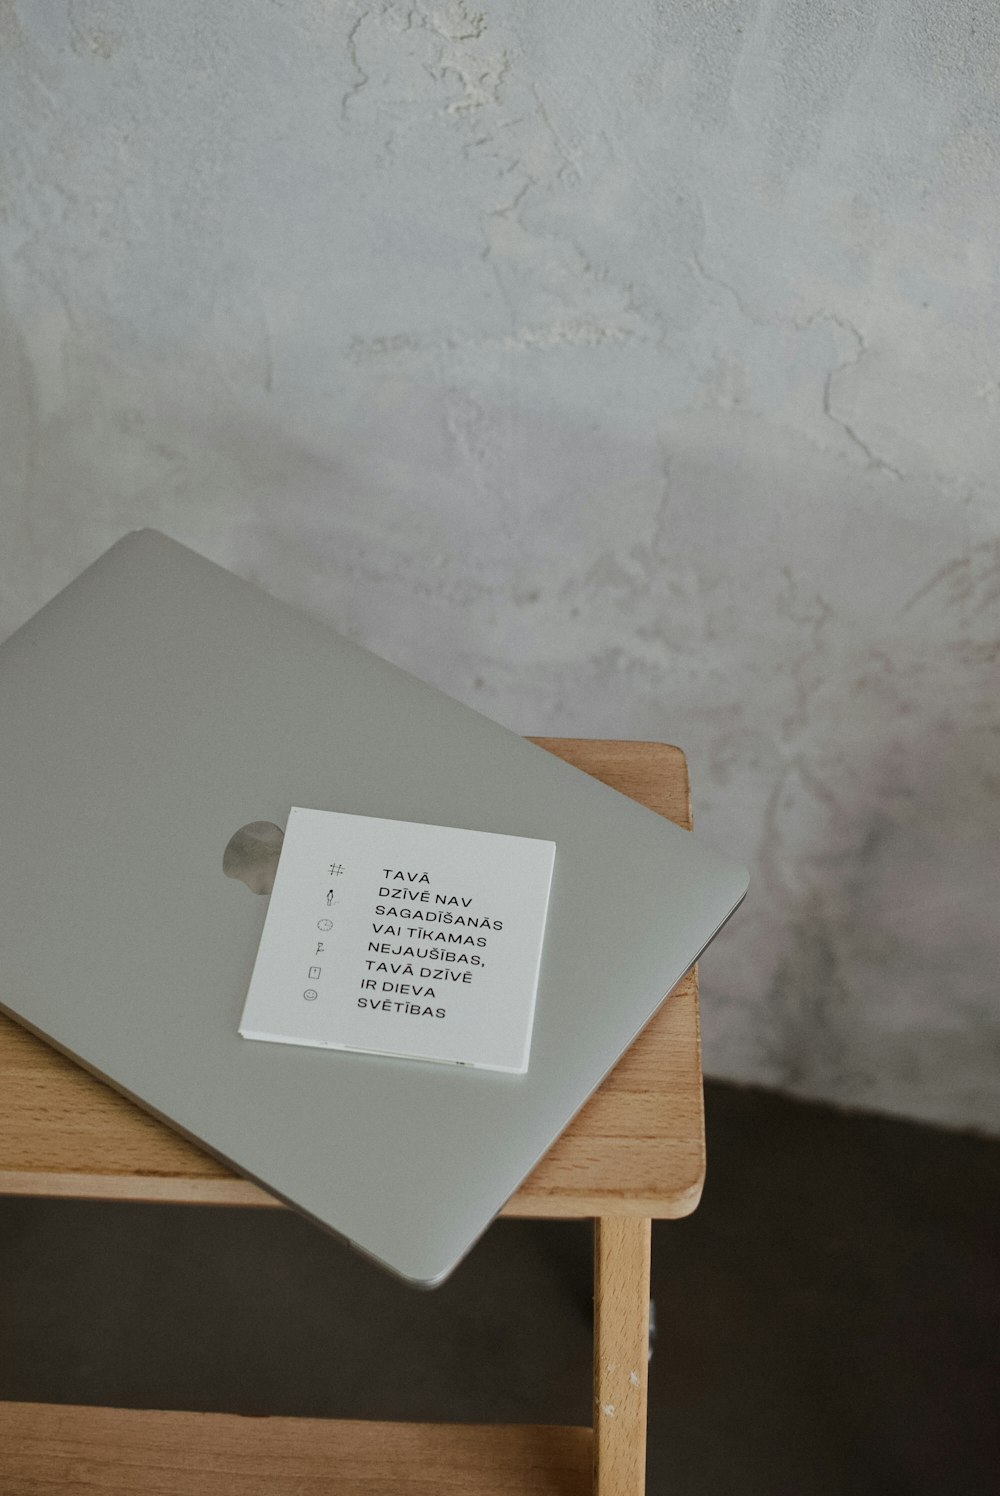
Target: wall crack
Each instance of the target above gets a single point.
(802, 324)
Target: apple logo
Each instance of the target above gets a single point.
(252, 854)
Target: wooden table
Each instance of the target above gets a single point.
(635, 1152)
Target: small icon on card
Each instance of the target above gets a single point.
(315, 973)
(336, 869)
(324, 924)
(310, 994)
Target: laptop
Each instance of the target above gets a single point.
(158, 705)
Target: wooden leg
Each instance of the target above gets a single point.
(621, 1354)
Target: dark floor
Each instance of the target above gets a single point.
(827, 1321)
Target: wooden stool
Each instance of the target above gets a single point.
(635, 1151)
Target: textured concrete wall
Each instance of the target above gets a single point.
(623, 369)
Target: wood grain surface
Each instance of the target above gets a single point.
(637, 1148)
(621, 1354)
(72, 1451)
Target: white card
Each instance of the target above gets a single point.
(401, 939)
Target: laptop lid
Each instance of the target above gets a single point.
(159, 704)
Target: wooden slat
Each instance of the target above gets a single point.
(636, 1148)
(71, 1451)
(621, 1355)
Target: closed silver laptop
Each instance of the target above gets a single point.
(158, 705)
